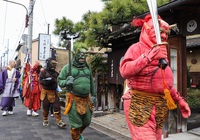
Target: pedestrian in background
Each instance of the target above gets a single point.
(51, 110)
(58, 89)
(9, 83)
(151, 92)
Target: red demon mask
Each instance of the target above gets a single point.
(147, 35)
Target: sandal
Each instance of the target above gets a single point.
(46, 123)
(61, 124)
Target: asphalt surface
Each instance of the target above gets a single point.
(111, 126)
(19, 126)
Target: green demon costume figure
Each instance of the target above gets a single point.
(79, 83)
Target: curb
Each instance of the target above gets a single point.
(109, 131)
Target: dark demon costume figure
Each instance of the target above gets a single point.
(79, 85)
(49, 95)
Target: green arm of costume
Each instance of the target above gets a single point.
(62, 78)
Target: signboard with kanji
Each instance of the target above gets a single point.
(44, 46)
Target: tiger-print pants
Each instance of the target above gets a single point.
(149, 131)
(145, 116)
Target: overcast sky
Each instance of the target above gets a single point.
(12, 18)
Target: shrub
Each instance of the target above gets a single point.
(193, 98)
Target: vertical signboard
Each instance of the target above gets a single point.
(114, 58)
(44, 46)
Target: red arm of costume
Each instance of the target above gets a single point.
(175, 94)
(138, 56)
(133, 61)
(183, 105)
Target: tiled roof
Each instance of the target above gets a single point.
(193, 42)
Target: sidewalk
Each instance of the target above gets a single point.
(112, 122)
(116, 123)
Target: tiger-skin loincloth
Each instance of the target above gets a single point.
(141, 106)
(51, 95)
(80, 103)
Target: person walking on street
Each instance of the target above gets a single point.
(151, 92)
(51, 110)
(49, 95)
(9, 83)
(31, 88)
(77, 78)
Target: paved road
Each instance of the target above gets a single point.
(19, 126)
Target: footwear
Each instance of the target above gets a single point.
(52, 115)
(10, 112)
(61, 124)
(81, 138)
(35, 114)
(46, 123)
(28, 112)
(4, 113)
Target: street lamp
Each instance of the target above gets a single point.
(27, 18)
(28, 23)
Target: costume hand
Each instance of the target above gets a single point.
(93, 100)
(152, 53)
(184, 108)
(47, 79)
(58, 89)
(70, 80)
(14, 79)
(162, 52)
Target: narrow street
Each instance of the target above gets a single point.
(19, 126)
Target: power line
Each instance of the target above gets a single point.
(40, 24)
(18, 41)
(4, 30)
(43, 11)
(19, 36)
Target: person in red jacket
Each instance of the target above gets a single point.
(151, 92)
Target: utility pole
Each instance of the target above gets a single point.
(48, 28)
(7, 51)
(30, 29)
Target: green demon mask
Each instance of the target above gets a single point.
(80, 57)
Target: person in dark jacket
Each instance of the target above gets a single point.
(49, 95)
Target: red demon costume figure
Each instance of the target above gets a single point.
(31, 88)
(151, 92)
